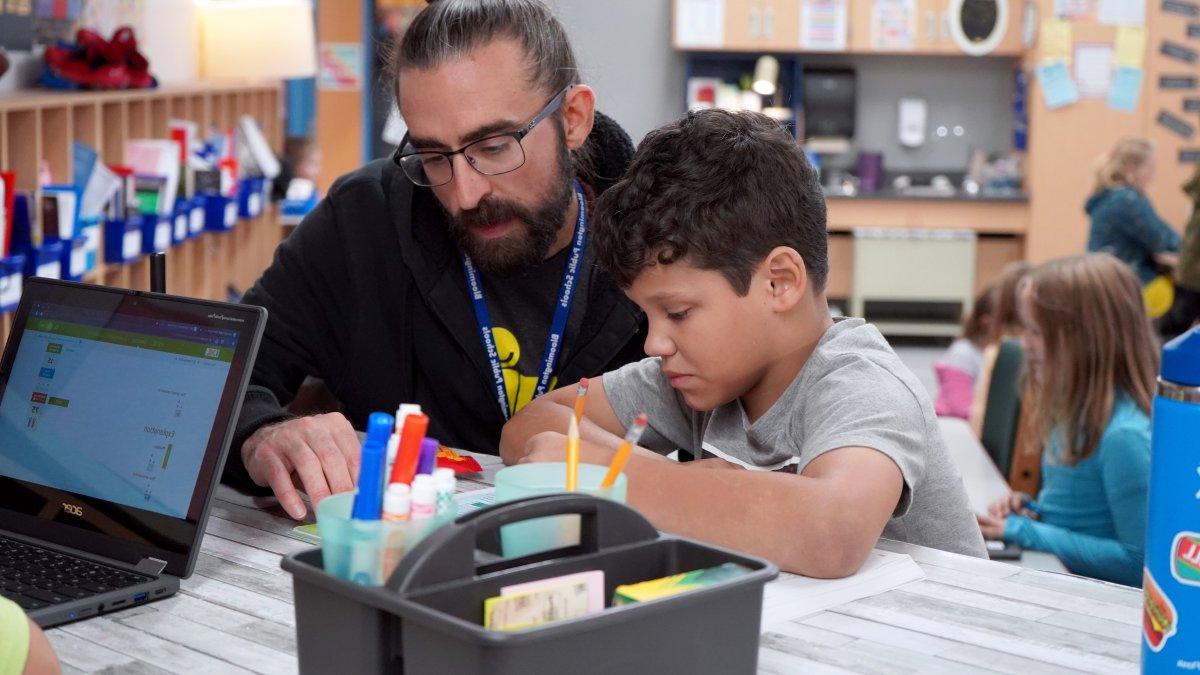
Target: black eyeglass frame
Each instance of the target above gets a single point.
(551, 106)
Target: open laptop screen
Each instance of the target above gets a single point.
(115, 407)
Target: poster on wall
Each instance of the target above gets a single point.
(699, 23)
(1122, 12)
(1056, 41)
(1093, 69)
(824, 25)
(339, 66)
(16, 25)
(1126, 87)
(894, 25)
(1077, 10)
(1058, 89)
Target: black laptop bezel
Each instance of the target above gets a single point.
(249, 321)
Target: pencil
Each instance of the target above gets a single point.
(572, 456)
(618, 462)
(581, 400)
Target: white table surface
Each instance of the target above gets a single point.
(234, 615)
(984, 482)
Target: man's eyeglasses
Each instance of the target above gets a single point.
(489, 156)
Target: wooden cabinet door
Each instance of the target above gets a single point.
(762, 25)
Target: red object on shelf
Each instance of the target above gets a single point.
(96, 63)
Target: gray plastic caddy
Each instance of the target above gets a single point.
(428, 618)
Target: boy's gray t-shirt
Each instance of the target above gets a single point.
(853, 391)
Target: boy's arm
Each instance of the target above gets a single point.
(553, 411)
(822, 523)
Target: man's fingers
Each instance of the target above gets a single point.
(280, 479)
(347, 443)
(333, 464)
(308, 466)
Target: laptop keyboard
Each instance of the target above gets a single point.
(34, 577)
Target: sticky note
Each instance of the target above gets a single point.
(1056, 40)
(1058, 88)
(1130, 46)
(1126, 87)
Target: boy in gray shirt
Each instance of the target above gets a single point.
(820, 441)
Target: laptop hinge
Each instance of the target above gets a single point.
(151, 566)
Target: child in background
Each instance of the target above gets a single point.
(1092, 359)
(960, 367)
(1005, 325)
(812, 438)
(301, 159)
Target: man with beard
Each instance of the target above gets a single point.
(456, 274)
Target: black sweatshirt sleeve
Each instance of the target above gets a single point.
(305, 292)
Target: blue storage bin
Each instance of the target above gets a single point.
(195, 207)
(74, 258)
(92, 232)
(250, 197)
(220, 213)
(12, 280)
(122, 240)
(45, 260)
(179, 222)
(156, 233)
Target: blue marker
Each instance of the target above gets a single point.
(369, 500)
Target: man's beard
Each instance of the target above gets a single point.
(535, 230)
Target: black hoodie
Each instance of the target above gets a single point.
(368, 294)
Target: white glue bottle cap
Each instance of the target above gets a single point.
(396, 502)
(424, 497)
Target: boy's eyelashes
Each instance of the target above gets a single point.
(678, 315)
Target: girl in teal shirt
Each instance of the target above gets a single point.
(1092, 364)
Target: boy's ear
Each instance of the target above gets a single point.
(786, 277)
(579, 109)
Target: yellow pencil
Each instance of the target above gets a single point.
(581, 400)
(572, 456)
(618, 462)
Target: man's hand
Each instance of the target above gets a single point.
(319, 454)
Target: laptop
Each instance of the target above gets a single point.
(116, 412)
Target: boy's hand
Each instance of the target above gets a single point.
(715, 463)
(547, 446)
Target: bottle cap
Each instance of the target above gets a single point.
(379, 428)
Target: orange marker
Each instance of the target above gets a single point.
(572, 456)
(415, 426)
(631, 439)
(581, 400)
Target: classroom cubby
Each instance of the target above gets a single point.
(36, 131)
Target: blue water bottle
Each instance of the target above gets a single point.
(1171, 580)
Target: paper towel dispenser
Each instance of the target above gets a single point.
(830, 96)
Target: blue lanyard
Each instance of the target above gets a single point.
(558, 325)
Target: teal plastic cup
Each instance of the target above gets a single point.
(367, 551)
(531, 480)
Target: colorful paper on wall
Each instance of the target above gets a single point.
(1056, 41)
(894, 25)
(339, 66)
(1126, 87)
(699, 23)
(1074, 9)
(1130, 46)
(1058, 89)
(824, 25)
(1122, 12)
(1093, 69)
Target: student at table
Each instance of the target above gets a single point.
(1092, 360)
(1124, 222)
(435, 276)
(23, 646)
(813, 439)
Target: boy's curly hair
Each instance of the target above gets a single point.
(718, 189)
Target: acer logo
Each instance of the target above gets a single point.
(73, 509)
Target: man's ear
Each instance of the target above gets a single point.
(579, 109)
(786, 277)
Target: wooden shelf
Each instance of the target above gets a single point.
(38, 126)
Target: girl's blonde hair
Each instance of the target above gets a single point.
(1113, 167)
(1098, 341)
